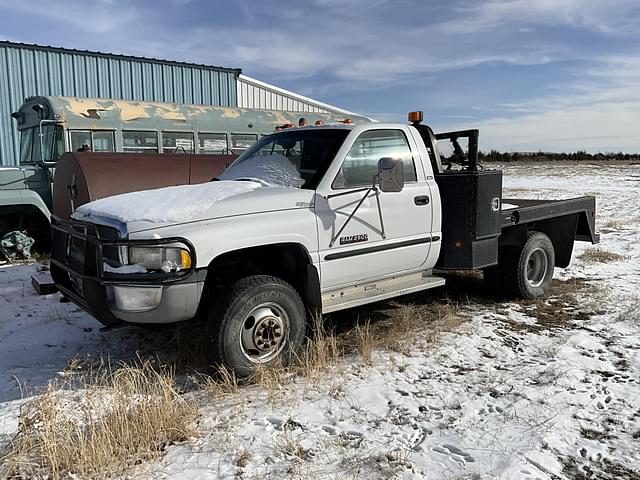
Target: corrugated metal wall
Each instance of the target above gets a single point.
(254, 93)
(27, 70)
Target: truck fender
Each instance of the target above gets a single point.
(17, 199)
(561, 231)
(290, 261)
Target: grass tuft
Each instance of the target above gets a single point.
(597, 255)
(119, 419)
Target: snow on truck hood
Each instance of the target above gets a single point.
(270, 177)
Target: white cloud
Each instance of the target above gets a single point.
(612, 17)
(356, 43)
(601, 112)
(607, 127)
(329, 46)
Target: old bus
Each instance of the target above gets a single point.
(50, 126)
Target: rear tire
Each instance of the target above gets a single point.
(260, 320)
(527, 271)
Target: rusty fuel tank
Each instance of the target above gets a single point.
(82, 177)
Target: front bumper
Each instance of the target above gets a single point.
(178, 302)
(138, 298)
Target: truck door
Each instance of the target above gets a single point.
(367, 247)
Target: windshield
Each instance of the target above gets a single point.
(293, 158)
(52, 144)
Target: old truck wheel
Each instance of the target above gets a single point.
(261, 320)
(528, 271)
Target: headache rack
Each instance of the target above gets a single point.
(471, 201)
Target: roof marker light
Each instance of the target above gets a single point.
(415, 117)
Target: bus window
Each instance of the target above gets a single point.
(79, 138)
(139, 142)
(103, 141)
(212, 142)
(242, 141)
(177, 142)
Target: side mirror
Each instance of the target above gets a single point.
(390, 174)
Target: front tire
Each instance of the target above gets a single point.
(528, 271)
(261, 320)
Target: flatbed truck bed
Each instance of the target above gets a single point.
(517, 210)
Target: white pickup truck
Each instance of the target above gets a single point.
(314, 219)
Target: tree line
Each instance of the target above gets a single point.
(579, 156)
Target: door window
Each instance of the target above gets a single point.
(26, 141)
(139, 142)
(361, 163)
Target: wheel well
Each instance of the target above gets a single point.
(29, 218)
(561, 231)
(289, 261)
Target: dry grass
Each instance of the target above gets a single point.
(597, 255)
(319, 353)
(568, 302)
(612, 225)
(223, 382)
(273, 379)
(398, 326)
(243, 458)
(120, 419)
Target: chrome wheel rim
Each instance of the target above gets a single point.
(537, 266)
(264, 332)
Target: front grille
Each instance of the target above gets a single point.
(74, 245)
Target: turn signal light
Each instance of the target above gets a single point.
(185, 259)
(415, 117)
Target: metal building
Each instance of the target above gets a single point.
(252, 93)
(27, 70)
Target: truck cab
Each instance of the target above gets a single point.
(314, 219)
(25, 190)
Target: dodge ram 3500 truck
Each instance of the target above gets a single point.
(314, 219)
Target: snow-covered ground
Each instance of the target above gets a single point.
(529, 390)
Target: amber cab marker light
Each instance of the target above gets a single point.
(415, 117)
(458, 244)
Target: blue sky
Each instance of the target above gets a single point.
(557, 75)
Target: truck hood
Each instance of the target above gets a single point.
(150, 209)
(12, 178)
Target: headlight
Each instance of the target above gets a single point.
(167, 259)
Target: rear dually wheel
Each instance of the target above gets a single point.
(527, 271)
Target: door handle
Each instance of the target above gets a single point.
(421, 200)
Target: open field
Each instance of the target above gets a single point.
(450, 384)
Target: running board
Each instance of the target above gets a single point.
(352, 296)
